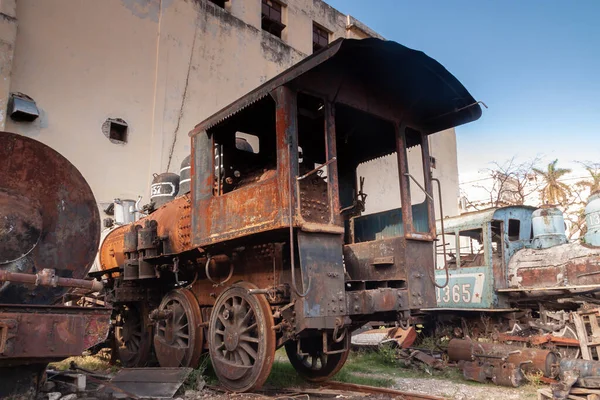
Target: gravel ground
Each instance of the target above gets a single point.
(463, 391)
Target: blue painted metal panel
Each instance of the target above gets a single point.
(467, 288)
(388, 224)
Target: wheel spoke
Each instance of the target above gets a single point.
(246, 318)
(246, 338)
(313, 364)
(244, 357)
(323, 358)
(248, 349)
(249, 328)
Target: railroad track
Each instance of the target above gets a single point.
(329, 389)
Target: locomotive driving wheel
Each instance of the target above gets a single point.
(312, 363)
(179, 336)
(242, 340)
(133, 336)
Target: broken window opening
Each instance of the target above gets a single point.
(450, 255)
(320, 38)
(271, 17)
(314, 193)
(471, 249)
(514, 229)
(245, 148)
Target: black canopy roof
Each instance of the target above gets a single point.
(422, 90)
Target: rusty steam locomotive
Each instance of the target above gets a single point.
(268, 247)
(49, 233)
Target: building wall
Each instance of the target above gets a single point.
(381, 176)
(162, 66)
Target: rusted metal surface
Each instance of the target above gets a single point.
(427, 359)
(530, 359)
(538, 340)
(148, 383)
(365, 302)
(173, 228)
(44, 333)
(47, 277)
(565, 266)
(498, 371)
(50, 218)
(360, 260)
(321, 265)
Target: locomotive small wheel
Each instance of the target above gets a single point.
(317, 366)
(133, 338)
(179, 339)
(241, 338)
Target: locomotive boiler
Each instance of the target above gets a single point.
(270, 247)
(49, 232)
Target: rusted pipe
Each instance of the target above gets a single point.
(47, 277)
(443, 236)
(316, 169)
(291, 222)
(214, 259)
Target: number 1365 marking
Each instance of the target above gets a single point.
(456, 293)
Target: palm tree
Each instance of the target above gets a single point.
(554, 191)
(594, 183)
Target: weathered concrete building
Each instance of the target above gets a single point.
(120, 83)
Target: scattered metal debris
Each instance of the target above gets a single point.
(403, 338)
(502, 364)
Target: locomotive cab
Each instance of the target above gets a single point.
(479, 246)
(309, 129)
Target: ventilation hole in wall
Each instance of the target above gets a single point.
(116, 130)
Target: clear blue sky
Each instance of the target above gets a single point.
(535, 63)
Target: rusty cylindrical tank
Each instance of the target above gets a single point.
(541, 360)
(173, 227)
(48, 218)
